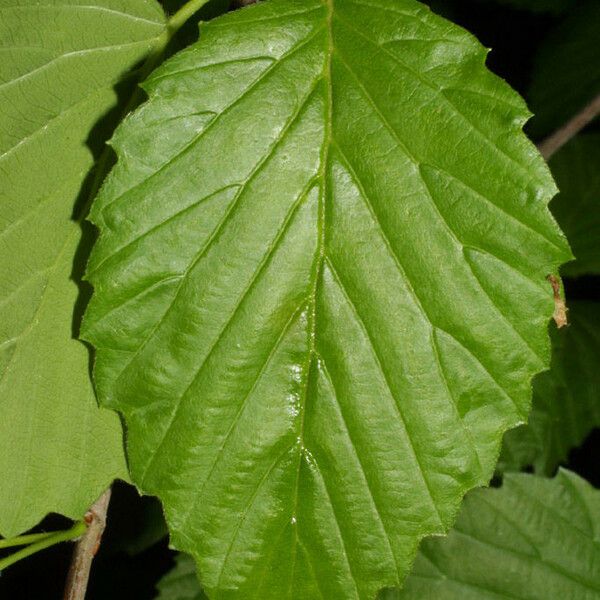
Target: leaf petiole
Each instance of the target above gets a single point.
(40, 542)
(184, 13)
(174, 24)
(24, 540)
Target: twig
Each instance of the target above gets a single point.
(561, 136)
(86, 549)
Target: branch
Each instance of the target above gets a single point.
(560, 137)
(86, 549)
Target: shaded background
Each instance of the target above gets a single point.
(135, 554)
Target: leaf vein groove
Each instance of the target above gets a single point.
(247, 508)
(270, 252)
(222, 223)
(319, 473)
(398, 411)
(260, 79)
(368, 487)
(243, 406)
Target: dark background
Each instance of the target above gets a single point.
(135, 553)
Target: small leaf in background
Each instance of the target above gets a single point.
(181, 583)
(576, 169)
(531, 539)
(58, 451)
(566, 399)
(566, 76)
(320, 290)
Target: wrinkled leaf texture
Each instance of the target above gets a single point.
(59, 63)
(320, 290)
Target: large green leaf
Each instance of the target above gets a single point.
(532, 539)
(320, 290)
(577, 208)
(566, 75)
(59, 63)
(181, 582)
(566, 399)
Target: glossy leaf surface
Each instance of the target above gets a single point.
(566, 399)
(532, 539)
(59, 62)
(320, 290)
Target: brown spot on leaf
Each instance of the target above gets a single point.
(560, 308)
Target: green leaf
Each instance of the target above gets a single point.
(566, 75)
(320, 290)
(59, 63)
(576, 168)
(566, 399)
(181, 582)
(533, 538)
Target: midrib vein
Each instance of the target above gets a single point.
(316, 272)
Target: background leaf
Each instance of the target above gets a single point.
(566, 399)
(533, 538)
(320, 290)
(59, 63)
(181, 583)
(576, 168)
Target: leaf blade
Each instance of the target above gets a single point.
(241, 293)
(59, 451)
